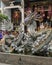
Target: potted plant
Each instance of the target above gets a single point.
(3, 17)
(3, 20)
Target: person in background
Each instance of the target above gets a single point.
(27, 14)
(51, 21)
(49, 15)
(36, 16)
(50, 11)
(28, 11)
(16, 15)
(43, 13)
(1, 35)
(2, 39)
(16, 18)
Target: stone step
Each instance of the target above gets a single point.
(4, 64)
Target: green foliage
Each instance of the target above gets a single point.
(2, 17)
